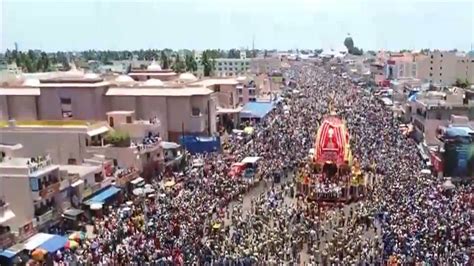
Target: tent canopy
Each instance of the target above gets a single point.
(251, 160)
(37, 240)
(12, 251)
(256, 109)
(53, 244)
(102, 196)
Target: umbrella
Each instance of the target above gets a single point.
(96, 206)
(170, 183)
(77, 236)
(216, 226)
(248, 130)
(138, 191)
(149, 190)
(71, 244)
(38, 254)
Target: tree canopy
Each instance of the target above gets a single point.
(191, 64)
(351, 48)
(178, 65)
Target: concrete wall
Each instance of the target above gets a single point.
(60, 145)
(19, 196)
(150, 107)
(22, 107)
(87, 103)
(178, 112)
(4, 114)
(123, 103)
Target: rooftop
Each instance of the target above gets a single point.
(185, 91)
(34, 166)
(49, 123)
(20, 91)
(81, 170)
(211, 82)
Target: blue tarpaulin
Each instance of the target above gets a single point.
(102, 196)
(196, 144)
(256, 109)
(54, 244)
(8, 254)
(12, 251)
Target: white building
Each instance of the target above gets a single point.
(33, 189)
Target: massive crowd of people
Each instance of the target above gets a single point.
(211, 218)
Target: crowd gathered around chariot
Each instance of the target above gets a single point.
(210, 218)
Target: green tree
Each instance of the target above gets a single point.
(178, 65)
(349, 43)
(265, 53)
(461, 84)
(165, 63)
(233, 53)
(191, 65)
(208, 62)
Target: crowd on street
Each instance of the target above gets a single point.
(209, 218)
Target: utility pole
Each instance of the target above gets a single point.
(253, 46)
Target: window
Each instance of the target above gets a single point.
(196, 111)
(252, 100)
(220, 69)
(440, 74)
(220, 63)
(441, 55)
(128, 119)
(66, 107)
(432, 57)
(438, 116)
(148, 156)
(251, 92)
(431, 74)
(71, 161)
(98, 177)
(111, 121)
(431, 68)
(239, 91)
(217, 88)
(230, 64)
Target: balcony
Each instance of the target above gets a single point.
(49, 189)
(123, 176)
(47, 216)
(38, 164)
(197, 123)
(6, 238)
(148, 144)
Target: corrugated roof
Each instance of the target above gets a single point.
(188, 91)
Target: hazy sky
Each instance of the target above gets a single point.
(200, 24)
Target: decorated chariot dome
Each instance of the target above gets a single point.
(332, 142)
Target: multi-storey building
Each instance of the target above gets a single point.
(76, 96)
(444, 68)
(32, 187)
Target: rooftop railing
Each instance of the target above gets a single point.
(38, 163)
